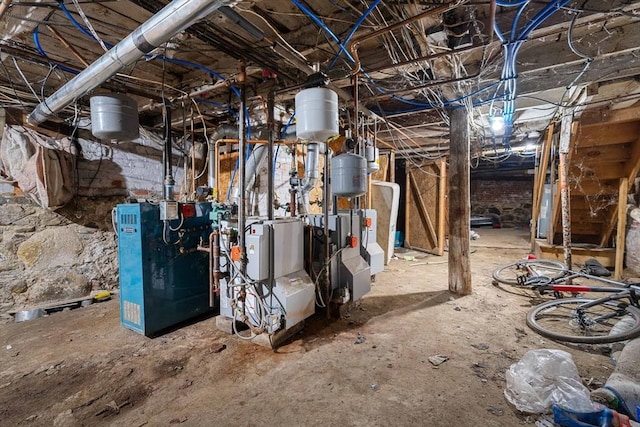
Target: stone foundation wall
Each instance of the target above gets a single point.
(511, 200)
(47, 255)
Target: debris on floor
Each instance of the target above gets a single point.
(438, 359)
(30, 313)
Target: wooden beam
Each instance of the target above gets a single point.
(622, 226)
(459, 203)
(442, 207)
(607, 134)
(539, 180)
(634, 161)
(600, 155)
(597, 172)
(595, 117)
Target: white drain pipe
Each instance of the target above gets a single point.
(172, 19)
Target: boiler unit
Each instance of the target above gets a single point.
(164, 279)
(274, 294)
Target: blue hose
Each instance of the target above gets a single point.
(36, 42)
(321, 24)
(354, 29)
(86, 32)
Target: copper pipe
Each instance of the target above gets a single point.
(64, 42)
(215, 255)
(355, 43)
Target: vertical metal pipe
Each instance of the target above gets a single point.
(327, 239)
(241, 170)
(271, 130)
(167, 163)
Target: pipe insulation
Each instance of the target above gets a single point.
(311, 170)
(173, 18)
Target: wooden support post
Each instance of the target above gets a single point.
(565, 139)
(622, 227)
(392, 166)
(459, 203)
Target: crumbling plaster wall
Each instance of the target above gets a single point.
(47, 255)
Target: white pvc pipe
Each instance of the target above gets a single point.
(172, 19)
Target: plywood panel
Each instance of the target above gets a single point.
(227, 164)
(382, 173)
(423, 211)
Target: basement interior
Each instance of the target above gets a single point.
(306, 212)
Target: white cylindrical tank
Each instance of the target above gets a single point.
(316, 114)
(114, 116)
(373, 158)
(348, 175)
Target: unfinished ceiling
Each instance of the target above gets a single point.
(516, 61)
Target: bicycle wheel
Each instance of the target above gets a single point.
(566, 320)
(530, 268)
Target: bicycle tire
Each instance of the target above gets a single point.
(508, 274)
(551, 317)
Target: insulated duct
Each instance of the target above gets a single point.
(311, 170)
(173, 18)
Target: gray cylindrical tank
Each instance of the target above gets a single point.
(348, 175)
(114, 116)
(316, 114)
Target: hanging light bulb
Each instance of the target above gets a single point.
(497, 123)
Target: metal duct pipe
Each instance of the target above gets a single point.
(311, 170)
(167, 164)
(242, 202)
(173, 18)
(270, 189)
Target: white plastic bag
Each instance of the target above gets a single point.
(545, 377)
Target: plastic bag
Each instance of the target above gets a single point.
(545, 377)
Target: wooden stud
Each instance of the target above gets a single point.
(539, 180)
(622, 226)
(392, 166)
(442, 207)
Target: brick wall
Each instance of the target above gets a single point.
(511, 199)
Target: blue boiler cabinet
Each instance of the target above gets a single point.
(164, 279)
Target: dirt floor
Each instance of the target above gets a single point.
(369, 368)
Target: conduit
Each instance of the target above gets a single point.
(175, 17)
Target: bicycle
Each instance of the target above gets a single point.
(612, 318)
